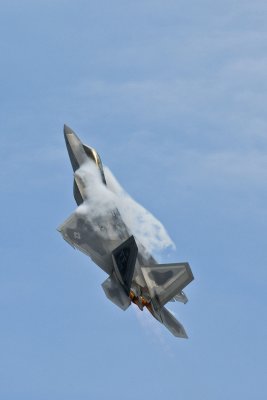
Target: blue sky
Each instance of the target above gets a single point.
(172, 94)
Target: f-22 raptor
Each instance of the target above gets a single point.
(134, 276)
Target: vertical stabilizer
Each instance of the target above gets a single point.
(124, 259)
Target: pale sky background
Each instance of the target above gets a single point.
(173, 96)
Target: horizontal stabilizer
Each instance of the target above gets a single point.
(171, 323)
(165, 281)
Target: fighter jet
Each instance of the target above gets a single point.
(97, 229)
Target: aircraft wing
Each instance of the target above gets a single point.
(95, 237)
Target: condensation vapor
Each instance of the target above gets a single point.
(102, 199)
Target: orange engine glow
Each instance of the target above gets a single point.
(140, 301)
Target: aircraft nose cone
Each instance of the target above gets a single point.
(67, 130)
(75, 148)
(70, 135)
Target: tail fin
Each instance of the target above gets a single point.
(165, 281)
(118, 285)
(124, 259)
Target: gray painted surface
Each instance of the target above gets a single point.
(133, 273)
(115, 292)
(124, 259)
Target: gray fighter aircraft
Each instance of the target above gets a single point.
(134, 276)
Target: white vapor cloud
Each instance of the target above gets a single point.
(101, 200)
